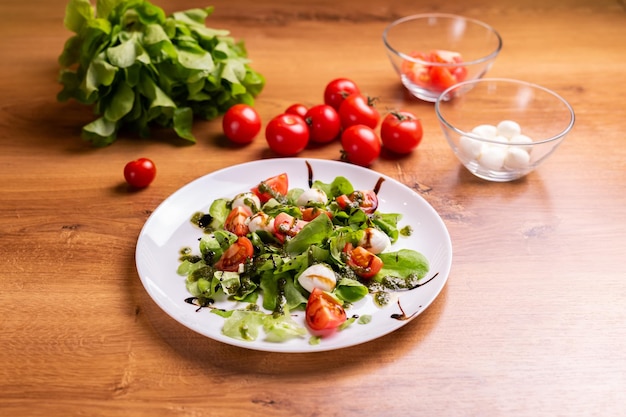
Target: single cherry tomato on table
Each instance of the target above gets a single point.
(365, 200)
(401, 132)
(241, 123)
(324, 123)
(358, 109)
(287, 134)
(337, 90)
(275, 186)
(236, 254)
(297, 109)
(363, 262)
(323, 311)
(361, 145)
(140, 173)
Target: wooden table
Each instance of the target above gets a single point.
(532, 321)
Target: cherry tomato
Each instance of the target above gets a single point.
(365, 200)
(363, 262)
(297, 109)
(361, 145)
(358, 109)
(241, 123)
(310, 213)
(446, 71)
(324, 123)
(236, 254)
(401, 132)
(287, 225)
(287, 134)
(272, 187)
(441, 78)
(140, 172)
(323, 312)
(337, 90)
(236, 221)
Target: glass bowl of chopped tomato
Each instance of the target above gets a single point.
(502, 129)
(433, 51)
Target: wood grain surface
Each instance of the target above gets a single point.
(532, 321)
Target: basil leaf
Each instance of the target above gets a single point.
(350, 290)
(137, 66)
(313, 233)
(402, 264)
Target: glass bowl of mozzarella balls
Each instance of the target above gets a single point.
(502, 129)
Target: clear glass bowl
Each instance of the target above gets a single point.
(410, 41)
(502, 129)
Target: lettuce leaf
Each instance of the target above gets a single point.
(246, 325)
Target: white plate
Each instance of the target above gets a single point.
(169, 229)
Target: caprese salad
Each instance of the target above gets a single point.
(274, 252)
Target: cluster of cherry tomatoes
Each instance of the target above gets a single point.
(346, 114)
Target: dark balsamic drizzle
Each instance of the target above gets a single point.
(196, 302)
(402, 316)
(205, 220)
(422, 283)
(310, 172)
(379, 183)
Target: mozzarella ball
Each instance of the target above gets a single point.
(522, 139)
(318, 276)
(516, 158)
(312, 196)
(260, 222)
(470, 148)
(485, 131)
(247, 200)
(374, 240)
(508, 128)
(493, 156)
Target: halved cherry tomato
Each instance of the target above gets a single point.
(366, 200)
(441, 78)
(236, 254)
(310, 213)
(287, 225)
(236, 221)
(272, 187)
(446, 71)
(323, 312)
(363, 262)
